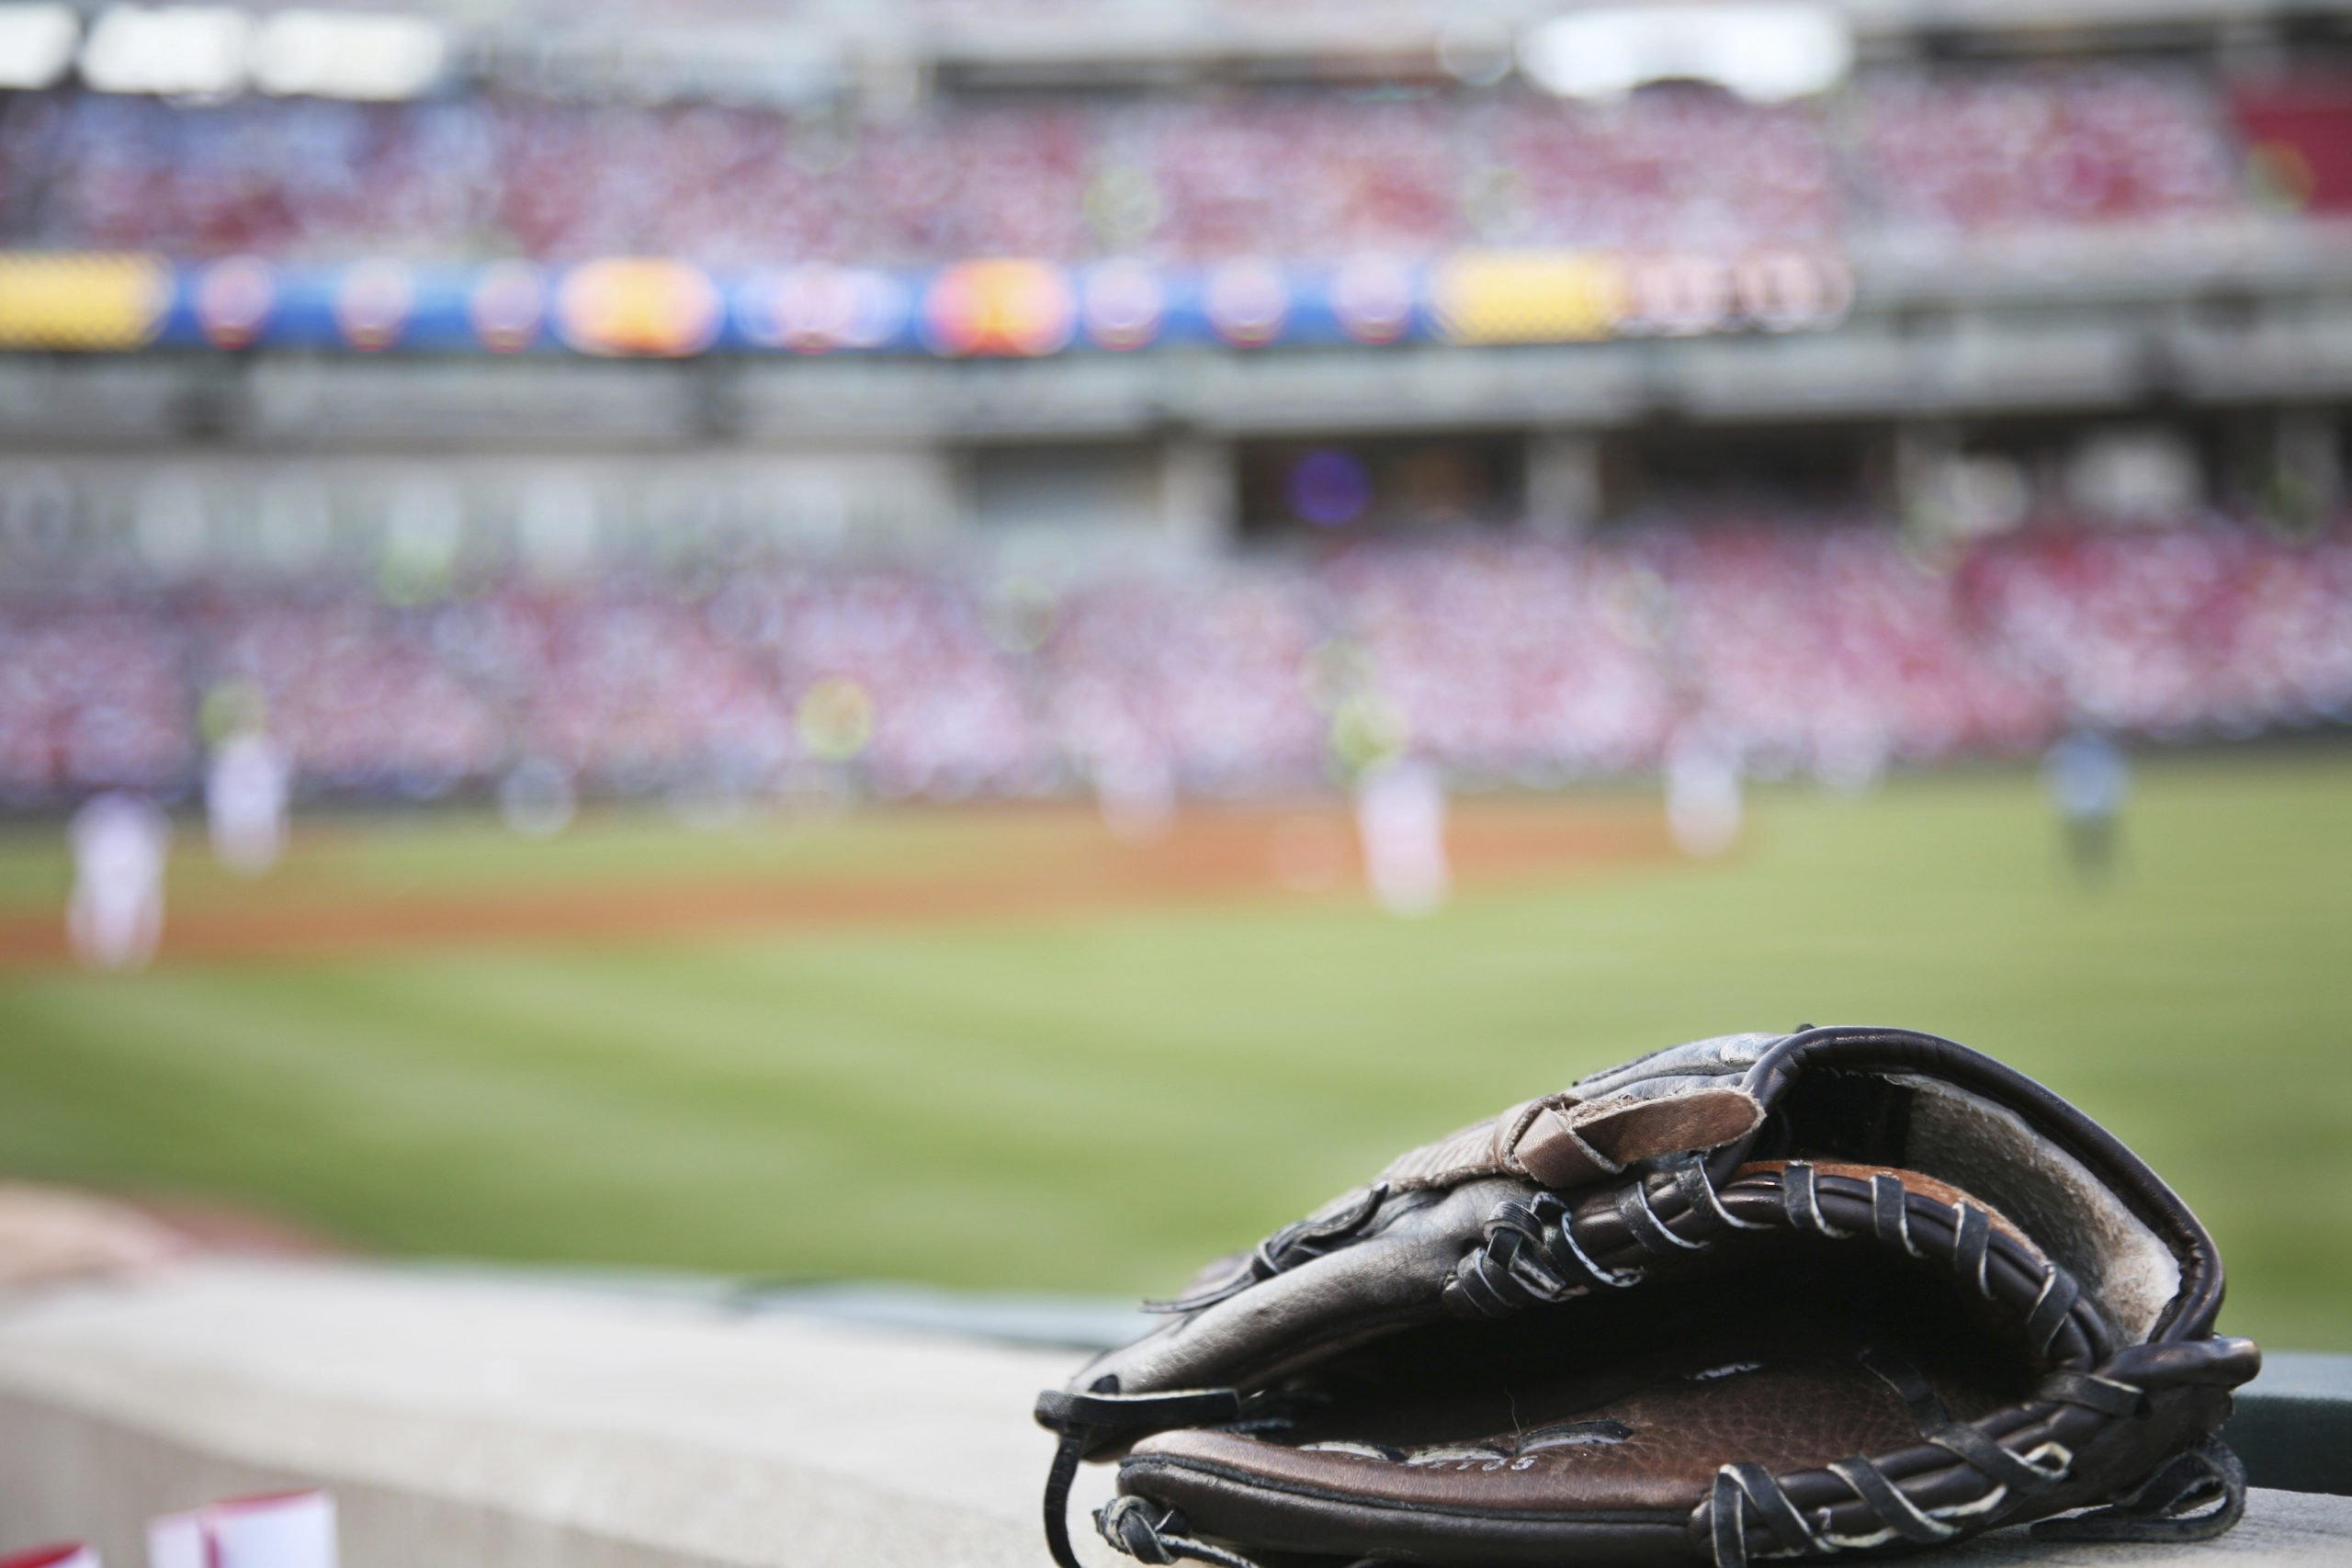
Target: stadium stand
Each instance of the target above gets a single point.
(1292, 173)
(2008, 147)
(1833, 643)
(1835, 650)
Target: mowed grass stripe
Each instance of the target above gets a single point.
(1100, 1104)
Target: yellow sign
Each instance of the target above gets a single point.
(1528, 296)
(71, 301)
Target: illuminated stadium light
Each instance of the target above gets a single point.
(342, 54)
(638, 306)
(1002, 306)
(507, 307)
(1248, 302)
(175, 50)
(235, 301)
(36, 44)
(1766, 53)
(819, 308)
(1124, 305)
(373, 305)
(1373, 298)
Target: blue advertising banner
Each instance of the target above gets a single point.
(1003, 307)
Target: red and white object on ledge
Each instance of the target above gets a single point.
(274, 1529)
(57, 1554)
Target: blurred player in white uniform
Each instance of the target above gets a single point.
(1702, 795)
(245, 790)
(1400, 811)
(1135, 789)
(115, 917)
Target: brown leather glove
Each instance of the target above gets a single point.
(1756, 1297)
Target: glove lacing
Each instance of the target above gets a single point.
(1151, 1532)
(1102, 1415)
(2155, 1509)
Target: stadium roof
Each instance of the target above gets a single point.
(733, 51)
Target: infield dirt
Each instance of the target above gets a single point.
(1032, 860)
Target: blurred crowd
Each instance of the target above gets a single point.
(1996, 149)
(1835, 650)
(1298, 174)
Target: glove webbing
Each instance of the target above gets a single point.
(2155, 1510)
(1739, 1487)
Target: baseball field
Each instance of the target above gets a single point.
(995, 1046)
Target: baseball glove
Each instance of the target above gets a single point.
(1758, 1297)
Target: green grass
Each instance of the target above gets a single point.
(1102, 1104)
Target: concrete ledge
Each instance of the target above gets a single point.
(463, 1422)
(496, 1423)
